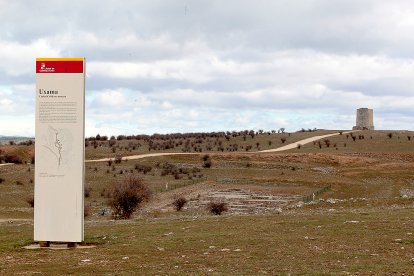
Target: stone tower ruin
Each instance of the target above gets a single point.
(364, 119)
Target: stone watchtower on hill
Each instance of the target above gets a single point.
(364, 119)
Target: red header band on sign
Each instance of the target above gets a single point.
(59, 66)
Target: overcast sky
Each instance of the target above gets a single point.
(188, 66)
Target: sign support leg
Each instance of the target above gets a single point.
(44, 243)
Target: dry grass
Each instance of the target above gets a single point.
(125, 147)
(368, 230)
(379, 143)
(373, 242)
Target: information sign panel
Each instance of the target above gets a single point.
(59, 149)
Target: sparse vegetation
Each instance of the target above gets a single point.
(217, 208)
(229, 141)
(30, 200)
(179, 203)
(171, 169)
(118, 159)
(13, 158)
(112, 142)
(143, 168)
(126, 196)
(362, 198)
(207, 161)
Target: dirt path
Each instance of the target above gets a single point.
(6, 164)
(140, 156)
(14, 220)
(304, 142)
(287, 147)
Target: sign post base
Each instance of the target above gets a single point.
(44, 243)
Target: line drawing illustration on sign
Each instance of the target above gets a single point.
(57, 144)
(57, 147)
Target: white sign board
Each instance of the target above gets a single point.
(59, 149)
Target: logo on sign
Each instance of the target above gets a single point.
(44, 69)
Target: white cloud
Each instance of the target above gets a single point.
(110, 99)
(6, 106)
(19, 59)
(17, 100)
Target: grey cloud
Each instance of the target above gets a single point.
(380, 87)
(346, 26)
(225, 59)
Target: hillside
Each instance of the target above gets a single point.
(313, 209)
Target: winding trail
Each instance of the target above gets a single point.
(287, 147)
(305, 141)
(140, 156)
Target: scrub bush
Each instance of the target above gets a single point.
(217, 208)
(126, 197)
(179, 203)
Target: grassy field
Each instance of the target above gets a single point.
(369, 242)
(361, 224)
